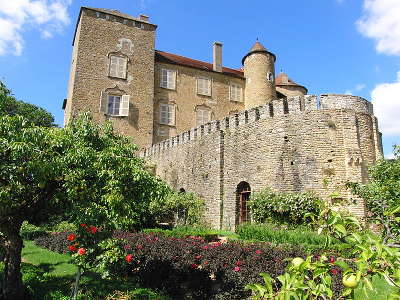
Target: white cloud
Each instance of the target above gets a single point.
(357, 88)
(389, 155)
(16, 16)
(386, 100)
(381, 22)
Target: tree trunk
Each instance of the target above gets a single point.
(12, 285)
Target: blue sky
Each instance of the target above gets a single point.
(329, 46)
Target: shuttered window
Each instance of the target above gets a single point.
(168, 78)
(118, 66)
(203, 116)
(114, 105)
(204, 86)
(236, 92)
(167, 114)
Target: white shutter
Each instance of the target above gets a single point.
(171, 112)
(113, 66)
(104, 102)
(164, 113)
(124, 106)
(121, 67)
(164, 78)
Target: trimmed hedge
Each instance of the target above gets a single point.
(56, 241)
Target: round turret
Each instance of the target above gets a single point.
(259, 71)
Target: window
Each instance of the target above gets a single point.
(236, 93)
(118, 66)
(168, 78)
(270, 77)
(204, 86)
(114, 105)
(203, 116)
(167, 114)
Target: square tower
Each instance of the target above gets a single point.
(112, 72)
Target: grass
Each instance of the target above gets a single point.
(53, 263)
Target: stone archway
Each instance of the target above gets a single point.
(243, 192)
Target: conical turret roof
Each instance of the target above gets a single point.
(258, 48)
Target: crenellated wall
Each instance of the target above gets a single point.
(300, 144)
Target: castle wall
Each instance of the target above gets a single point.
(186, 99)
(97, 36)
(301, 148)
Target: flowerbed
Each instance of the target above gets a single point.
(191, 267)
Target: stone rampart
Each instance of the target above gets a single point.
(294, 145)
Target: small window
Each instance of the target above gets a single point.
(168, 78)
(167, 114)
(270, 77)
(118, 66)
(203, 116)
(114, 105)
(204, 86)
(236, 93)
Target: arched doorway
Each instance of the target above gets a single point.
(243, 192)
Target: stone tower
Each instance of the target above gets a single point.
(112, 72)
(259, 72)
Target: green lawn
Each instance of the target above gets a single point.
(53, 263)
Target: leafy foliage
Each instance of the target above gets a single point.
(382, 194)
(185, 208)
(31, 232)
(86, 168)
(9, 106)
(268, 206)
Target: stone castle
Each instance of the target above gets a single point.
(219, 132)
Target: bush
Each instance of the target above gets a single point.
(56, 241)
(267, 206)
(179, 208)
(30, 232)
(63, 226)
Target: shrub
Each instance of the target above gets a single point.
(283, 208)
(56, 242)
(30, 232)
(179, 208)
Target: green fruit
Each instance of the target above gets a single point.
(350, 281)
(41, 185)
(297, 261)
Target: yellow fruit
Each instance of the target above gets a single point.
(297, 261)
(350, 281)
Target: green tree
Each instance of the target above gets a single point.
(382, 195)
(11, 107)
(85, 169)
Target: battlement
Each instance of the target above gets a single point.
(273, 109)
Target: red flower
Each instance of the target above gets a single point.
(193, 266)
(83, 225)
(72, 248)
(334, 271)
(258, 252)
(129, 258)
(205, 247)
(236, 269)
(81, 251)
(92, 229)
(238, 263)
(197, 257)
(332, 259)
(139, 247)
(127, 247)
(206, 263)
(71, 237)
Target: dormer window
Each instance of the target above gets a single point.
(118, 66)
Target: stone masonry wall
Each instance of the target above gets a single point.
(303, 149)
(99, 34)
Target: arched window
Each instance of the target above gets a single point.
(243, 192)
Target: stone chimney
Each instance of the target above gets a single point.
(144, 18)
(217, 57)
